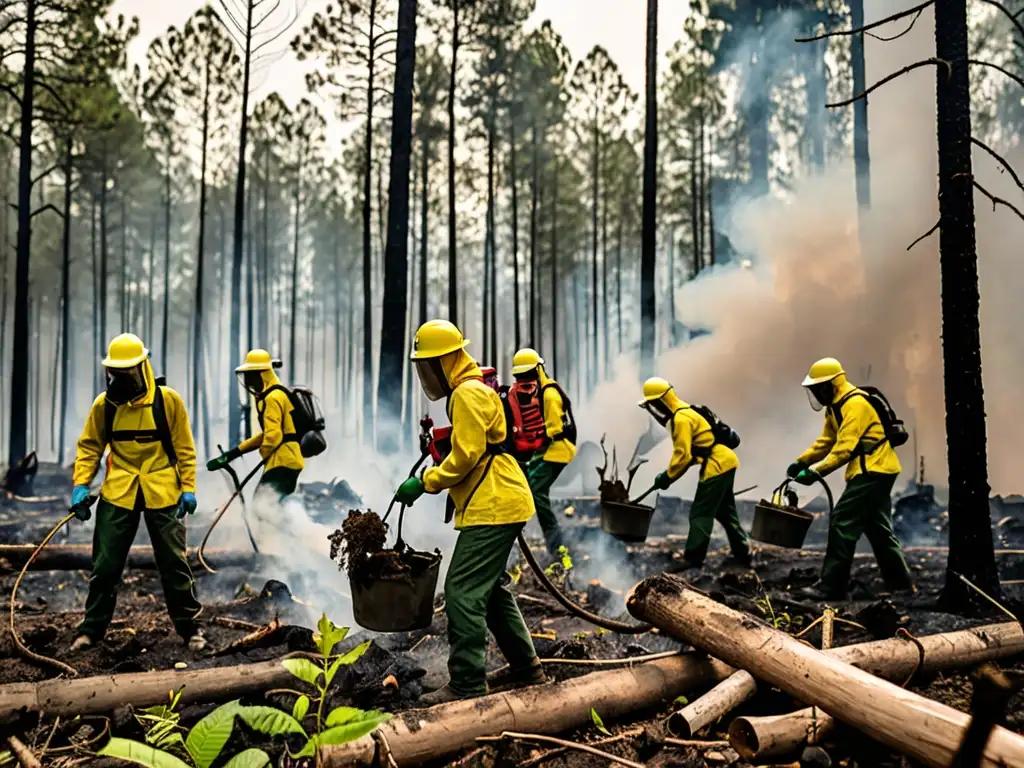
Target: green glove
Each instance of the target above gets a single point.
(806, 477)
(795, 469)
(409, 491)
(662, 481)
(534, 462)
(223, 460)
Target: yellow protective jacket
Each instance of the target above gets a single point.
(559, 451)
(690, 429)
(274, 410)
(861, 428)
(133, 465)
(486, 489)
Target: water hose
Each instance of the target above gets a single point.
(20, 646)
(224, 508)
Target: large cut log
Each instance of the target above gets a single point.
(78, 557)
(926, 730)
(895, 659)
(105, 693)
(417, 736)
(759, 738)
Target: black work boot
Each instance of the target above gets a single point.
(509, 677)
(443, 695)
(817, 591)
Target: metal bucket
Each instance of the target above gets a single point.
(625, 521)
(780, 526)
(402, 603)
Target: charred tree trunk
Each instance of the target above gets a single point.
(396, 257)
(492, 272)
(534, 195)
(197, 330)
(424, 227)
(250, 297)
(554, 265)
(970, 528)
(650, 194)
(104, 250)
(65, 297)
(453, 268)
(165, 326)
(367, 245)
(513, 139)
(861, 158)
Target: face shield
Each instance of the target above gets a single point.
(251, 381)
(125, 384)
(820, 395)
(659, 411)
(531, 375)
(432, 379)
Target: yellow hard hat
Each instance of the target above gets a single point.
(525, 360)
(256, 360)
(436, 338)
(824, 370)
(125, 351)
(654, 389)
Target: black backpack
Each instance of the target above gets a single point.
(161, 430)
(895, 431)
(721, 433)
(307, 417)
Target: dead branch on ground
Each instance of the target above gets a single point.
(562, 743)
(25, 757)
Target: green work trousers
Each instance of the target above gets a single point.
(115, 531)
(477, 597)
(541, 477)
(864, 508)
(279, 481)
(714, 500)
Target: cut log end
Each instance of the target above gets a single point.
(743, 738)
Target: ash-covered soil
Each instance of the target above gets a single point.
(397, 668)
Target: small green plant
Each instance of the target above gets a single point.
(516, 574)
(598, 722)
(680, 702)
(166, 746)
(560, 568)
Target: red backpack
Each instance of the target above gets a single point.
(525, 406)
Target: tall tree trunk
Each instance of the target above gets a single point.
(164, 329)
(124, 301)
(488, 221)
(593, 362)
(151, 277)
(293, 318)
(367, 244)
(250, 298)
(104, 248)
(492, 248)
(96, 344)
(671, 298)
(861, 158)
(65, 297)
(265, 273)
(453, 268)
(618, 273)
(605, 340)
(198, 389)
(970, 527)
(701, 188)
(513, 140)
(396, 256)
(534, 195)
(650, 192)
(237, 243)
(711, 205)
(424, 227)
(817, 95)
(554, 266)
(694, 207)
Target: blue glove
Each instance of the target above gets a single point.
(79, 494)
(409, 491)
(662, 481)
(806, 477)
(187, 504)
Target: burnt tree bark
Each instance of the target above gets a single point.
(650, 221)
(861, 158)
(453, 271)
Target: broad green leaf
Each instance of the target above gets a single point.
(343, 715)
(207, 738)
(343, 734)
(349, 658)
(251, 758)
(304, 669)
(598, 722)
(140, 754)
(300, 708)
(328, 635)
(270, 721)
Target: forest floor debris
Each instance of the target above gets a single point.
(397, 668)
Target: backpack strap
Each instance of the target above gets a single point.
(163, 428)
(860, 452)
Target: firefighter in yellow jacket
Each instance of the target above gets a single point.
(543, 469)
(492, 503)
(277, 441)
(694, 443)
(151, 474)
(853, 435)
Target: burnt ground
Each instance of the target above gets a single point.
(398, 667)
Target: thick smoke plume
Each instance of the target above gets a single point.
(816, 289)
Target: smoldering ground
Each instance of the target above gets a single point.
(815, 289)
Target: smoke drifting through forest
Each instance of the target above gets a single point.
(812, 292)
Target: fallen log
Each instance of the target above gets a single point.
(926, 730)
(105, 693)
(78, 557)
(760, 738)
(417, 736)
(895, 659)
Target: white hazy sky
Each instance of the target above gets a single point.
(618, 25)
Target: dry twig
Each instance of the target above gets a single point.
(561, 743)
(25, 757)
(890, 78)
(888, 19)
(997, 68)
(1001, 160)
(1011, 16)
(550, 755)
(906, 31)
(695, 743)
(998, 201)
(927, 234)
